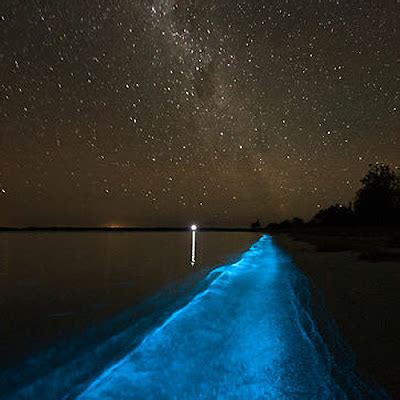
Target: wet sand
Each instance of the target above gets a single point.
(362, 296)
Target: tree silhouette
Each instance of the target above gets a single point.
(377, 201)
(334, 215)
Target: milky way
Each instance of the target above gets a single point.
(167, 112)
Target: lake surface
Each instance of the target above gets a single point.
(56, 284)
(158, 328)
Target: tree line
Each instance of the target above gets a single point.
(376, 203)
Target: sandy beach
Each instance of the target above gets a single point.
(360, 294)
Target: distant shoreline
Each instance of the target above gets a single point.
(122, 229)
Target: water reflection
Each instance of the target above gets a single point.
(193, 229)
(54, 285)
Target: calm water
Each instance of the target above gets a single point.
(55, 285)
(248, 331)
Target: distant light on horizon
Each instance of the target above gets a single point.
(114, 225)
(193, 227)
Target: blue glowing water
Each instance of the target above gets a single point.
(249, 335)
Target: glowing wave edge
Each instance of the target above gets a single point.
(249, 335)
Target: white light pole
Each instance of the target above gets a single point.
(193, 259)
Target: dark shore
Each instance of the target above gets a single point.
(357, 271)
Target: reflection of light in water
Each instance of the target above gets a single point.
(193, 259)
(249, 335)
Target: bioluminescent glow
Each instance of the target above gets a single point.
(249, 335)
(193, 257)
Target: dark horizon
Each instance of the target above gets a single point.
(126, 228)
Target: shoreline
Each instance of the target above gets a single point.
(362, 298)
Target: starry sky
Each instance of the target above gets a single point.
(167, 112)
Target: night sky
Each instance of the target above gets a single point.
(171, 112)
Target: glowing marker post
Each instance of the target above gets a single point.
(193, 229)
